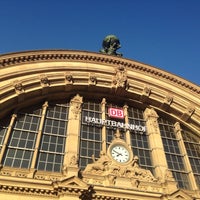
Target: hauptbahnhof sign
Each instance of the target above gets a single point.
(115, 124)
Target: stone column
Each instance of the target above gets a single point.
(72, 142)
(155, 143)
(186, 160)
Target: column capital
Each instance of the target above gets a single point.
(150, 113)
(75, 106)
(177, 127)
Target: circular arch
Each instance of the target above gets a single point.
(29, 77)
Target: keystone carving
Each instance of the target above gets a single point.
(120, 78)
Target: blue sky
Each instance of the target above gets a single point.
(161, 33)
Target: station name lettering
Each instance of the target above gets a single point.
(115, 124)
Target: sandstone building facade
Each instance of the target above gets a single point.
(83, 125)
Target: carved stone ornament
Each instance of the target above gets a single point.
(151, 118)
(188, 112)
(177, 127)
(18, 87)
(169, 176)
(92, 79)
(68, 78)
(73, 161)
(146, 91)
(75, 106)
(44, 80)
(120, 78)
(149, 113)
(168, 99)
(106, 170)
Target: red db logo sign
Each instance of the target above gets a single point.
(116, 113)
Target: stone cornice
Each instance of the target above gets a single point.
(8, 60)
(41, 187)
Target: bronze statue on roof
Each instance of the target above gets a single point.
(110, 45)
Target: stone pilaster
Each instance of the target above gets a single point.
(155, 143)
(70, 165)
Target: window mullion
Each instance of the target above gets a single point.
(185, 157)
(39, 136)
(103, 109)
(128, 137)
(12, 121)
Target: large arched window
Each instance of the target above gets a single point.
(192, 145)
(35, 138)
(173, 153)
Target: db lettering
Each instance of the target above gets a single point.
(116, 113)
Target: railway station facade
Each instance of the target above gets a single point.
(84, 125)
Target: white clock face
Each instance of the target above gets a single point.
(120, 153)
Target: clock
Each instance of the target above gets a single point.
(120, 153)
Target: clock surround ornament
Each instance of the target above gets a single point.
(117, 166)
(119, 151)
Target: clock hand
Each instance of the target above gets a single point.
(117, 152)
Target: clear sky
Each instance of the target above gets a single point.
(162, 33)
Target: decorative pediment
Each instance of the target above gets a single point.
(180, 194)
(72, 182)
